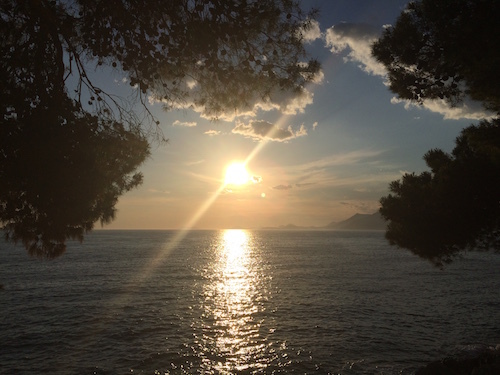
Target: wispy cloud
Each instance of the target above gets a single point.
(348, 158)
(299, 185)
(180, 123)
(468, 109)
(284, 102)
(157, 191)
(196, 162)
(335, 171)
(265, 131)
(357, 39)
(212, 132)
(282, 187)
(364, 207)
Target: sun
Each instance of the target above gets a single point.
(236, 174)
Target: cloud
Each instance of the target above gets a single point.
(315, 125)
(212, 132)
(284, 102)
(282, 187)
(256, 179)
(157, 191)
(196, 162)
(337, 171)
(288, 103)
(358, 40)
(311, 33)
(348, 158)
(468, 109)
(263, 130)
(366, 207)
(191, 84)
(299, 185)
(318, 78)
(187, 124)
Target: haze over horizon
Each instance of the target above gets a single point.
(309, 161)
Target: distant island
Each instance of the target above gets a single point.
(356, 222)
(361, 222)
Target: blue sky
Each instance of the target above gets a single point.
(330, 154)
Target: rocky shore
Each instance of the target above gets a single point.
(480, 360)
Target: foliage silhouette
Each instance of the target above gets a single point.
(68, 148)
(61, 171)
(447, 49)
(444, 49)
(455, 206)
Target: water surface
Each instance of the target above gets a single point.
(231, 302)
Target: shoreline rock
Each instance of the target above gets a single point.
(481, 360)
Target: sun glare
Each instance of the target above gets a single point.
(236, 174)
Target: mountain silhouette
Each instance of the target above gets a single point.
(360, 222)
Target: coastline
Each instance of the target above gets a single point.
(475, 360)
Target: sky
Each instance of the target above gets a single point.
(332, 152)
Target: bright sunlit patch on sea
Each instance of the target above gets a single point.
(232, 299)
(235, 243)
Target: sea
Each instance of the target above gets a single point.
(241, 302)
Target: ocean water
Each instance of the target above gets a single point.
(240, 302)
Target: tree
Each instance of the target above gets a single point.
(61, 172)
(69, 149)
(444, 49)
(447, 49)
(456, 205)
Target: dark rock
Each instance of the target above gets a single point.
(480, 362)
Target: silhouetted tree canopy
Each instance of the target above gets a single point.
(60, 172)
(447, 49)
(455, 206)
(444, 49)
(68, 148)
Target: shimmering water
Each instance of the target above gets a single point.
(230, 302)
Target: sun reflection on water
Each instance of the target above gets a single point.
(235, 245)
(232, 304)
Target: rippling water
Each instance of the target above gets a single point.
(240, 302)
